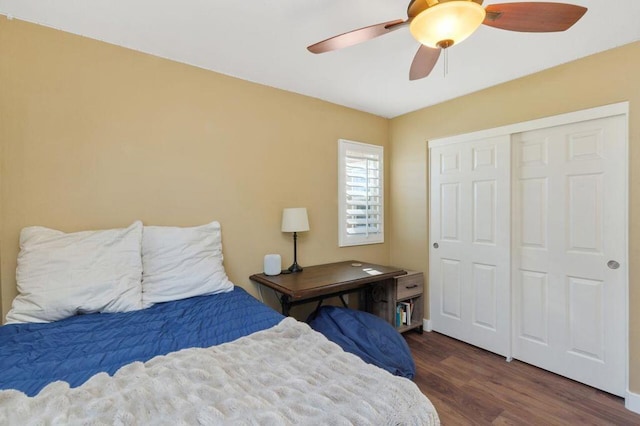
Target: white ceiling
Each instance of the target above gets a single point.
(265, 42)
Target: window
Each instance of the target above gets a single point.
(360, 193)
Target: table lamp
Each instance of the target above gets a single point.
(295, 220)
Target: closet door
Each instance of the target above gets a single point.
(569, 255)
(469, 267)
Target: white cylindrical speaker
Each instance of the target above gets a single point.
(272, 264)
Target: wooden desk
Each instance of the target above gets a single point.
(324, 281)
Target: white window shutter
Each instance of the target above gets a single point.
(361, 193)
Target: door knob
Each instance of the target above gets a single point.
(612, 264)
(435, 245)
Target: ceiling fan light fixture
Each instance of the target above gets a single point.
(445, 24)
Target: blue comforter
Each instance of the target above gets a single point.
(74, 349)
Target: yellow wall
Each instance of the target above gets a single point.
(606, 78)
(95, 136)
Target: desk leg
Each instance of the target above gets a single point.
(285, 302)
(343, 301)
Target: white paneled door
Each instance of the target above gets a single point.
(470, 242)
(528, 235)
(569, 256)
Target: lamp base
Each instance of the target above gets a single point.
(295, 268)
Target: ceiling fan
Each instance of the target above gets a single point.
(439, 24)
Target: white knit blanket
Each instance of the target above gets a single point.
(286, 375)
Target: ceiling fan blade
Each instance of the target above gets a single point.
(538, 17)
(423, 62)
(356, 36)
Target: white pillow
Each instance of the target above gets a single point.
(60, 275)
(182, 262)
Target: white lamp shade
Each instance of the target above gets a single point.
(452, 21)
(295, 220)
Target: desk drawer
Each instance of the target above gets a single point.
(409, 285)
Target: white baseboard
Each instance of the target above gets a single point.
(632, 402)
(426, 325)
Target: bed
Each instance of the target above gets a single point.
(222, 358)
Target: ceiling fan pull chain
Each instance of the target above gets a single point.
(446, 62)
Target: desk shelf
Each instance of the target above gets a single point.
(383, 300)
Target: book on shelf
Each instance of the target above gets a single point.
(406, 319)
(404, 313)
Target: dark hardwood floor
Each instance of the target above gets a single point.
(470, 386)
